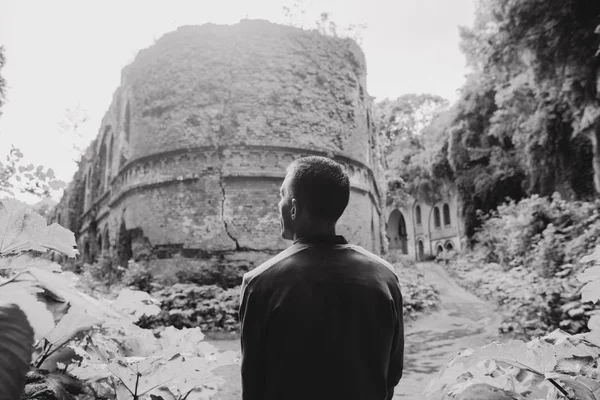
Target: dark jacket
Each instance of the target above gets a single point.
(321, 320)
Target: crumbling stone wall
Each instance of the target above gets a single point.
(192, 151)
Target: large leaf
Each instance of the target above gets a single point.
(22, 229)
(132, 340)
(594, 323)
(76, 320)
(56, 386)
(23, 294)
(24, 261)
(584, 388)
(186, 341)
(16, 341)
(64, 288)
(135, 304)
(183, 376)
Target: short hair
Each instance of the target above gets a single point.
(321, 185)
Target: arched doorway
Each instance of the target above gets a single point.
(439, 249)
(403, 235)
(420, 250)
(449, 246)
(397, 232)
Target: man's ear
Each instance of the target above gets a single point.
(294, 209)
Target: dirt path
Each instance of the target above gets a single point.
(461, 321)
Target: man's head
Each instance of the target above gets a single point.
(314, 195)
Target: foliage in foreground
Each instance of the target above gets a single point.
(527, 260)
(556, 366)
(83, 346)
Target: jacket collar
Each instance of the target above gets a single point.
(327, 240)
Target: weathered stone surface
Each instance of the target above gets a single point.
(193, 149)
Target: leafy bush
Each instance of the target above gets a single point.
(539, 233)
(418, 296)
(215, 309)
(556, 366)
(209, 307)
(84, 346)
(527, 259)
(209, 272)
(138, 276)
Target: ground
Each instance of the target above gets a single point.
(461, 321)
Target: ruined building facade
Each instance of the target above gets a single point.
(423, 230)
(190, 156)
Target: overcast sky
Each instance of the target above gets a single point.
(64, 53)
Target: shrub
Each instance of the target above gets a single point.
(555, 366)
(527, 258)
(539, 233)
(209, 307)
(138, 276)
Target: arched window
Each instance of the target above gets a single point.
(99, 248)
(106, 241)
(447, 215)
(436, 217)
(418, 214)
(397, 232)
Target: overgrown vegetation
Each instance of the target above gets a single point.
(556, 366)
(410, 133)
(528, 117)
(526, 260)
(83, 346)
(198, 298)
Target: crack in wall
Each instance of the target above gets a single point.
(219, 149)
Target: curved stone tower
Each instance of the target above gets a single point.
(193, 150)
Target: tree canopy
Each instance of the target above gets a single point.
(411, 134)
(528, 117)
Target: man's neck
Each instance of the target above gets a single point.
(328, 230)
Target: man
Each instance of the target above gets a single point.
(323, 318)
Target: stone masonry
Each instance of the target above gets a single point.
(190, 156)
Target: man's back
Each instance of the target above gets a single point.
(322, 320)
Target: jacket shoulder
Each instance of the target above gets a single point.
(289, 252)
(375, 258)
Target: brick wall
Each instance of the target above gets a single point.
(203, 125)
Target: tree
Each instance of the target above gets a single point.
(402, 120)
(410, 142)
(543, 56)
(36, 180)
(529, 110)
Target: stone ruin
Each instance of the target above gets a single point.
(192, 151)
